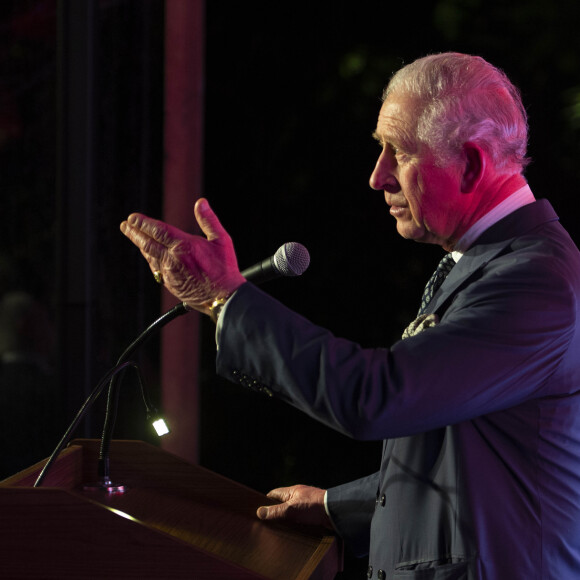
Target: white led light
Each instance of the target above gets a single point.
(160, 427)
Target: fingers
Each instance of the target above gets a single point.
(275, 511)
(300, 503)
(280, 493)
(278, 511)
(140, 236)
(149, 235)
(156, 240)
(153, 237)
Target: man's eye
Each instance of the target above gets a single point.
(385, 145)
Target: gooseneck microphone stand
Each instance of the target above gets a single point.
(105, 483)
(111, 378)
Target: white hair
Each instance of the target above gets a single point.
(465, 99)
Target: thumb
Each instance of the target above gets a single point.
(208, 220)
(272, 512)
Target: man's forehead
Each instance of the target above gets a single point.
(397, 117)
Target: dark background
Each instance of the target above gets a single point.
(292, 92)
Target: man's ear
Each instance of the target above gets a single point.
(474, 168)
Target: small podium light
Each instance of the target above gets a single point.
(160, 427)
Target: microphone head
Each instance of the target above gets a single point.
(291, 259)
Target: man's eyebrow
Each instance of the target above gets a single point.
(382, 139)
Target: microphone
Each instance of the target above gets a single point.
(291, 259)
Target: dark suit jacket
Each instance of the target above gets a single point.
(480, 475)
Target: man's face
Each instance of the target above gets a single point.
(426, 200)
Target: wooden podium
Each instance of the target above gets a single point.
(176, 520)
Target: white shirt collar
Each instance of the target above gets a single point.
(519, 198)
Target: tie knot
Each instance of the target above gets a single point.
(445, 265)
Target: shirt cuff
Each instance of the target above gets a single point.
(328, 511)
(219, 323)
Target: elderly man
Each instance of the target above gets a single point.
(479, 403)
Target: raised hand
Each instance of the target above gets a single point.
(196, 270)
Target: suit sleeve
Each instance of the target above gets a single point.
(351, 507)
(501, 341)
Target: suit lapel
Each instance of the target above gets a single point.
(489, 245)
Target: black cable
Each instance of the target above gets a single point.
(80, 414)
(112, 396)
(111, 379)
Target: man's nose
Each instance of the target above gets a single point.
(383, 176)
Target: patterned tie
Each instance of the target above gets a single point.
(443, 268)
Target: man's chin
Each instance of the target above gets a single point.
(419, 235)
(410, 232)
